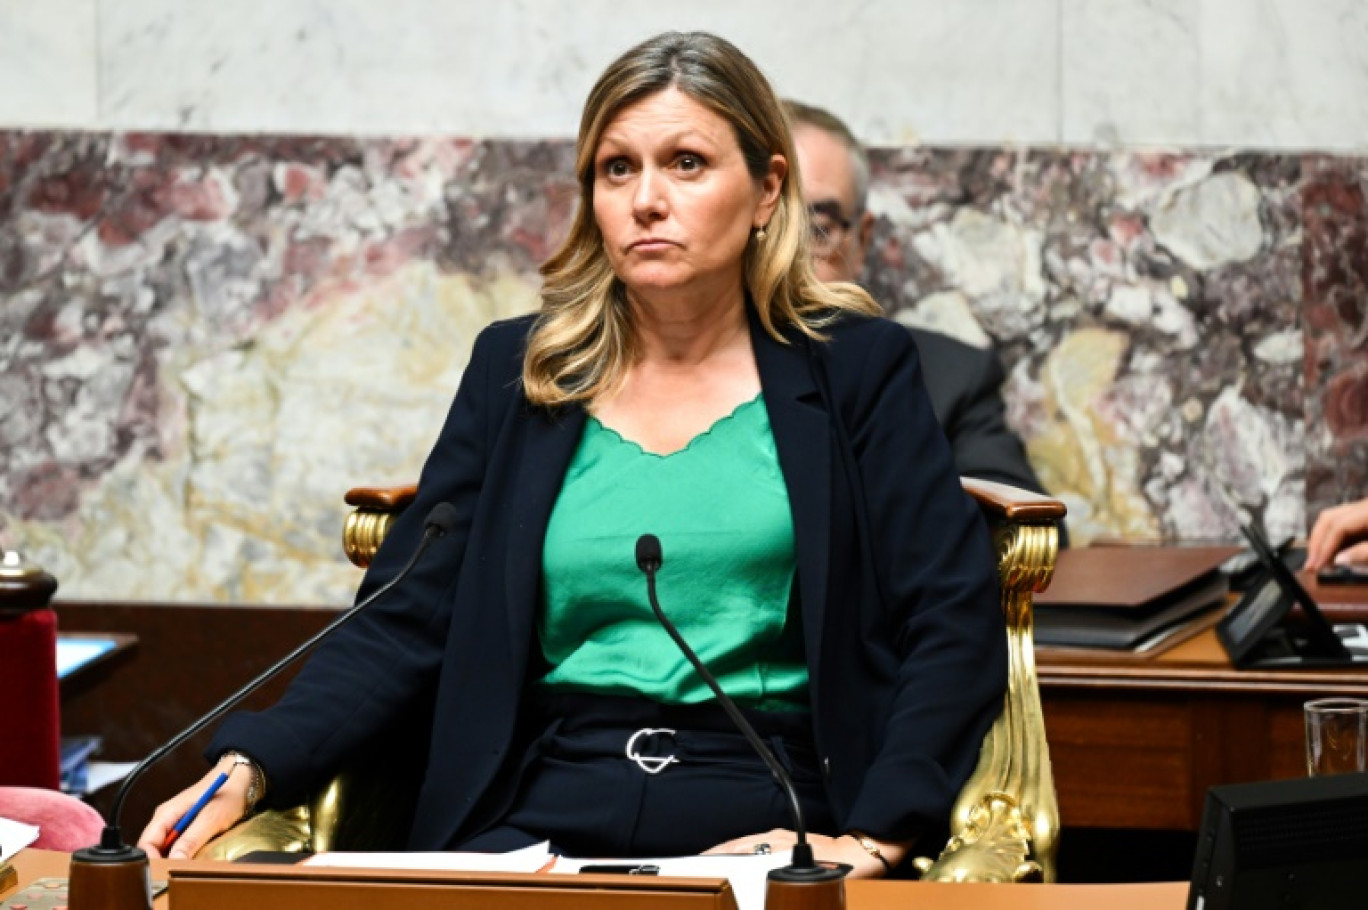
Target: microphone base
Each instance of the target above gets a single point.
(817, 887)
(109, 878)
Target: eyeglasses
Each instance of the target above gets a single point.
(828, 228)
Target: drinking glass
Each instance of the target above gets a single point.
(1336, 736)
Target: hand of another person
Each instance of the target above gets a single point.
(843, 849)
(1333, 529)
(228, 805)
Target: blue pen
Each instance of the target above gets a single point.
(188, 817)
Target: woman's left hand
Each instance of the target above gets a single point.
(843, 849)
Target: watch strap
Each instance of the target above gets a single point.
(256, 784)
(869, 846)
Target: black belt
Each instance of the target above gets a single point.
(656, 735)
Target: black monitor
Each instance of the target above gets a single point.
(1257, 630)
(1283, 844)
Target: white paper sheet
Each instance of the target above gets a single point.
(746, 872)
(528, 859)
(101, 774)
(74, 653)
(15, 836)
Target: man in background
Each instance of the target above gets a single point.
(963, 381)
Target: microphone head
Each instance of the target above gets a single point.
(442, 520)
(648, 555)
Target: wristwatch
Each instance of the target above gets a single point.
(867, 843)
(256, 784)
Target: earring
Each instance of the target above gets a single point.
(761, 234)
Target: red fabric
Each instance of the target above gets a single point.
(64, 822)
(30, 749)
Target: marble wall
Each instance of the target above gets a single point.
(204, 340)
(1149, 308)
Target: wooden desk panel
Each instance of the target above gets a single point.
(1136, 744)
(860, 895)
(1120, 756)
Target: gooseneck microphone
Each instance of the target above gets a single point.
(113, 875)
(803, 868)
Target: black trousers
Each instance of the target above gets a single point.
(622, 777)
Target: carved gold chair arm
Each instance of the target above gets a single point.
(375, 509)
(1005, 823)
(275, 831)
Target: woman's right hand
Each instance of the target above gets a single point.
(223, 811)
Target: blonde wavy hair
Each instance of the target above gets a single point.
(583, 342)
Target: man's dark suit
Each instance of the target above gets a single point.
(965, 387)
(895, 587)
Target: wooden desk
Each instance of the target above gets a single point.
(860, 895)
(1136, 743)
(91, 671)
(137, 704)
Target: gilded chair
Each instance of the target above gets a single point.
(1005, 824)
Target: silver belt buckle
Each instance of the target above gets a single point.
(649, 763)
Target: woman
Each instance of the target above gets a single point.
(687, 376)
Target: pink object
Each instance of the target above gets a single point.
(64, 822)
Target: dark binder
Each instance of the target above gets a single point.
(1124, 598)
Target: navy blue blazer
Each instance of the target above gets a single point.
(896, 581)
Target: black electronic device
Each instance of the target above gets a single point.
(1258, 630)
(620, 869)
(1244, 568)
(1283, 844)
(273, 857)
(1347, 574)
